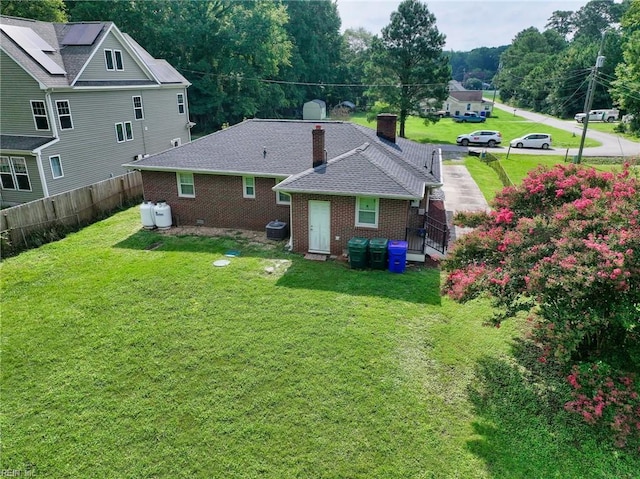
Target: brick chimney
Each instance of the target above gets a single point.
(317, 136)
(387, 126)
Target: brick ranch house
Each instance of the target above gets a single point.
(329, 180)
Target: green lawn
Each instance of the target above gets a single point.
(446, 130)
(517, 166)
(127, 354)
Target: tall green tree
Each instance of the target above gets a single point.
(355, 54)
(626, 87)
(562, 22)
(595, 17)
(526, 66)
(43, 10)
(314, 32)
(408, 64)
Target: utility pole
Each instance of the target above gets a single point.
(493, 102)
(589, 99)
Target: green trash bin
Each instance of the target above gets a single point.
(378, 253)
(358, 252)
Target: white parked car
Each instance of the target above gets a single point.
(532, 140)
(489, 138)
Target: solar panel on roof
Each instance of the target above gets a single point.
(34, 46)
(24, 35)
(82, 34)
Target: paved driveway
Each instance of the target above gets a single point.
(461, 193)
(612, 145)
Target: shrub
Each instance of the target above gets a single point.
(608, 400)
(564, 245)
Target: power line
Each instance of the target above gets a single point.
(317, 84)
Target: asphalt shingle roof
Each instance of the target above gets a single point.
(359, 161)
(23, 143)
(287, 143)
(363, 171)
(72, 58)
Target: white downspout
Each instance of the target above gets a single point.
(45, 188)
(290, 244)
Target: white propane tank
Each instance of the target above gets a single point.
(162, 213)
(147, 215)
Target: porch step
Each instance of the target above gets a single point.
(434, 253)
(315, 257)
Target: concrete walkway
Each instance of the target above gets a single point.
(461, 193)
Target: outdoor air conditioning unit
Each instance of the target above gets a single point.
(139, 157)
(415, 203)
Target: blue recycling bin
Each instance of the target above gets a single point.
(397, 256)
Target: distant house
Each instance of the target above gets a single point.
(331, 180)
(314, 110)
(79, 100)
(460, 101)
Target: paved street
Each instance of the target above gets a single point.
(612, 145)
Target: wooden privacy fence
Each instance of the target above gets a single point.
(32, 224)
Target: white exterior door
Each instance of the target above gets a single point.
(319, 226)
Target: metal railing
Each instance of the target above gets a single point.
(415, 238)
(435, 234)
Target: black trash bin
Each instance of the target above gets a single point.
(378, 253)
(358, 252)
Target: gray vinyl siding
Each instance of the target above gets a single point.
(97, 68)
(15, 196)
(17, 88)
(90, 152)
(162, 119)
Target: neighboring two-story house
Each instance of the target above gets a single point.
(77, 101)
(460, 101)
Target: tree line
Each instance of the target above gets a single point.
(549, 71)
(266, 58)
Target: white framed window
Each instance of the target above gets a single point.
(108, 60)
(282, 198)
(64, 115)
(138, 111)
(119, 132)
(367, 211)
(468, 106)
(128, 130)
(6, 174)
(181, 106)
(113, 60)
(14, 174)
(186, 185)
(176, 142)
(56, 166)
(117, 56)
(39, 115)
(248, 187)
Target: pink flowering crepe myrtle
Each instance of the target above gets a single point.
(565, 246)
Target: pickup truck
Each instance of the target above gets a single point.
(469, 117)
(598, 115)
